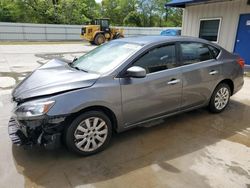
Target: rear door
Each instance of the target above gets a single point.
(200, 72)
(156, 94)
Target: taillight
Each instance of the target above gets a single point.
(241, 62)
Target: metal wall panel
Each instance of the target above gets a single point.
(73, 31)
(58, 36)
(12, 36)
(228, 11)
(10, 29)
(139, 31)
(34, 36)
(24, 31)
(30, 29)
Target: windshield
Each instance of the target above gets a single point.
(106, 57)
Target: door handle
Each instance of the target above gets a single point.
(174, 81)
(213, 72)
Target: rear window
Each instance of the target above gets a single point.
(215, 51)
(193, 52)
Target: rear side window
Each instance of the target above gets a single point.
(158, 59)
(215, 51)
(192, 52)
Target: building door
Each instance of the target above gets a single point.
(242, 43)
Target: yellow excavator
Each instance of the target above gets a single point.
(99, 32)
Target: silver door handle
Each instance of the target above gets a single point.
(175, 81)
(213, 72)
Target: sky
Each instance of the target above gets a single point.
(98, 1)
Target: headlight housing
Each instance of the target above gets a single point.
(33, 109)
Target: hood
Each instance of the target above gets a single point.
(53, 77)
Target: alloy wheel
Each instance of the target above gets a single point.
(90, 134)
(221, 98)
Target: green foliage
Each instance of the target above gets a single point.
(132, 19)
(174, 17)
(7, 11)
(120, 12)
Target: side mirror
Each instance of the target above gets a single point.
(136, 72)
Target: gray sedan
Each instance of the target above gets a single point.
(120, 85)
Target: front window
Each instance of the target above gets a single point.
(106, 57)
(209, 29)
(105, 23)
(158, 59)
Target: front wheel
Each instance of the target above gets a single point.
(99, 39)
(220, 98)
(89, 133)
(118, 36)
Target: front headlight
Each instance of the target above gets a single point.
(33, 108)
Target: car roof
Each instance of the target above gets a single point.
(145, 40)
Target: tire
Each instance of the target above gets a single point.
(220, 98)
(118, 36)
(99, 39)
(92, 42)
(83, 135)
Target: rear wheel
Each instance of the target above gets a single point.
(99, 39)
(89, 133)
(220, 98)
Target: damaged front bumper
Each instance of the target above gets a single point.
(44, 132)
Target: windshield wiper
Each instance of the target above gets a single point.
(77, 68)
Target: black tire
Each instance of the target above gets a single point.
(118, 36)
(92, 42)
(71, 141)
(212, 104)
(99, 39)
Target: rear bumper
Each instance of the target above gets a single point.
(44, 133)
(238, 84)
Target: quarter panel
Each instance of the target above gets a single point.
(232, 70)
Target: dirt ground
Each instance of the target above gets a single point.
(194, 149)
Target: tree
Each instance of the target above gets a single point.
(7, 11)
(146, 8)
(174, 17)
(132, 19)
(160, 11)
(112, 9)
(120, 12)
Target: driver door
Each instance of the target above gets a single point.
(158, 93)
